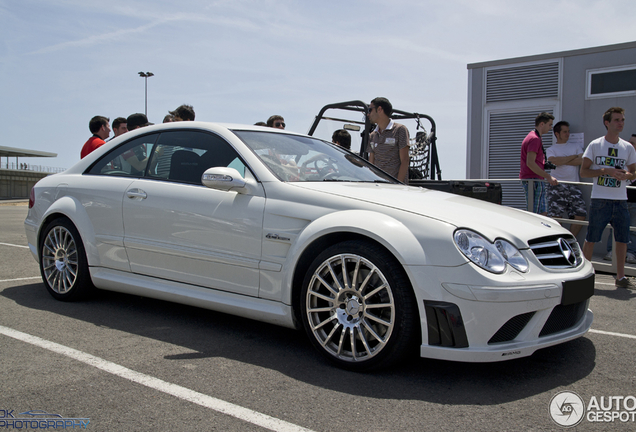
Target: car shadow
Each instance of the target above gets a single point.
(213, 334)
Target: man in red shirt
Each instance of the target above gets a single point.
(100, 129)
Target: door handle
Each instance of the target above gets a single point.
(136, 193)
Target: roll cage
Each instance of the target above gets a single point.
(424, 160)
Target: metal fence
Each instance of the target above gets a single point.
(31, 167)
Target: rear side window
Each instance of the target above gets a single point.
(129, 160)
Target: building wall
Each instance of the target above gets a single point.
(475, 123)
(586, 114)
(17, 184)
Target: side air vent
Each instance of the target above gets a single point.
(445, 325)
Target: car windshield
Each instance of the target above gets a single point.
(296, 158)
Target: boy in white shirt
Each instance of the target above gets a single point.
(566, 198)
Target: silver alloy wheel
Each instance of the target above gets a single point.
(60, 259)
(350, 307)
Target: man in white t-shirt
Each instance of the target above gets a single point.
(566, 198)
(610, 162)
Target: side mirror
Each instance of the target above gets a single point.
(223, 178)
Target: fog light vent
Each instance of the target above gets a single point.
(511, 329)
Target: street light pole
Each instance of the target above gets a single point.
(146, 75)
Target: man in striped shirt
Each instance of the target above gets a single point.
(389, 142)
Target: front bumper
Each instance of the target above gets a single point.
(470, 315)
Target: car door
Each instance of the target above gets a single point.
(177, 229)
(101, 193)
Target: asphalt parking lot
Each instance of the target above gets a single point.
(124, 362)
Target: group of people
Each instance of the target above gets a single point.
(609, 160)
(388, 143)
(101, 129)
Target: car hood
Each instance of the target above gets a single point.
(490, 220)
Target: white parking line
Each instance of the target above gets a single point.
(613, 334)
(20, 279)
(9, 244)
(219, 405)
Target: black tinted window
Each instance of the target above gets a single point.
(183, 156)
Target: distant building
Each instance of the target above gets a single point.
(505, 96)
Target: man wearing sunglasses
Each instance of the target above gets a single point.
(389, 142)
(276, 121)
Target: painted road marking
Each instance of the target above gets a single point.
(20, 279)
(14, 245)
(613, 334)
(215, 404)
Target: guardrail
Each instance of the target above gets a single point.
(598, 263)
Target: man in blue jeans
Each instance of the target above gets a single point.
(631, 206)
(532, 164)
(610, 162)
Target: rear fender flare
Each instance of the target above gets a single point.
(72, 209)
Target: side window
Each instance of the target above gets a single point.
(128, 160)
(183, 156)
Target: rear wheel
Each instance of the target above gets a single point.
(358, 307)
(63, 263)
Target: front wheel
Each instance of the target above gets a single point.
(358, 307)
(63, 263)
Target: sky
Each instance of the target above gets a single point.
(240, 61)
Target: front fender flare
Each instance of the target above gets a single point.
(384, 229)
(381, 228)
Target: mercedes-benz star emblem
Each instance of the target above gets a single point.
(567, 251)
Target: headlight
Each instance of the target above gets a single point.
(512, 255)
(489, 256)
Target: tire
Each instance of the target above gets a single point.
(63, 263)
(361, 318)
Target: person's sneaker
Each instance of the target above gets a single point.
(608, 256)
(624, 283)
(630, 258)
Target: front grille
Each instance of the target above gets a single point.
(557, 252)
(445, 325)
(511, 329)
(563, 318)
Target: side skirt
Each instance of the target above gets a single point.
(234, 304)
